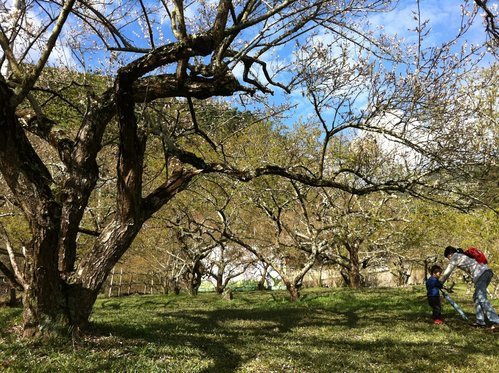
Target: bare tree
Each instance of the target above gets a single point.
(219, 201)
(278, 231)
(364, 232)
(225, 264)
(195, 245)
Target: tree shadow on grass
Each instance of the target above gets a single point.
(227, 337)
(207, 332)
(221, 334)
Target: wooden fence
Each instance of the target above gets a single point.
(120, 283)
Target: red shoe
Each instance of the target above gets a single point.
(438, 322)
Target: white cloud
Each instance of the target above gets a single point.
(444, 21)
(400, 131)
(26, 46)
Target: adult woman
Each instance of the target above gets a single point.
(481, 275)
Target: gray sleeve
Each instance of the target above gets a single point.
(448, 270)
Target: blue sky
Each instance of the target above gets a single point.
(443, 17)
(444, 22)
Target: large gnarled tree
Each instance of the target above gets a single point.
(210, 41)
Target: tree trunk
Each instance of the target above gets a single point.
(261, 285)
(355, 279)
(354, 269)
(220, 286)
(263, 277)
(94, 268)
(12, 297)
(43, 300)
(345, 274)
(31, 183)
(194, 278)
(68, 312)
(81, 301)
(192, 288)
(293, 290)
(193, 282)
(321, 282)
(173, 286)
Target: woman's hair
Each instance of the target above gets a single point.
(451, 250)
(434, 269)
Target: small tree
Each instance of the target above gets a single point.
(225, 264)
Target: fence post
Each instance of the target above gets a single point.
(110, 292)
(130, 283)
(120, 281)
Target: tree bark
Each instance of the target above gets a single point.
(30, 181)
(293, 290)
(354, 269)
(263, 277)
(12, 297)
(220, 285)
(193, 277)
(43, 299)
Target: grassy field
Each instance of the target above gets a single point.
(382, 330)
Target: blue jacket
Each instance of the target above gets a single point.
(432, 286)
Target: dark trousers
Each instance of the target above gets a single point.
(436, 307)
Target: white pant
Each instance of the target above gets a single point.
(483, 307)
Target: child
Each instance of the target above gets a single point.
(432, 286)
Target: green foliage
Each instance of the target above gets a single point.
(65, 95)
(327, 331)
(433, 227)
(244, 285)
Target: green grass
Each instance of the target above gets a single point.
(381, 330)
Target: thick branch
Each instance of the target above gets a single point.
(49, 46)
(23, 170)
(44, 128)
(9, 54)
(175, 184)
(161, 86)
(221, 21)
(10, 276)
(83, 173)
(12, 257)
(197, 45)
(289, 173)
(131, 152)
(89, 232)
(178, 20)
